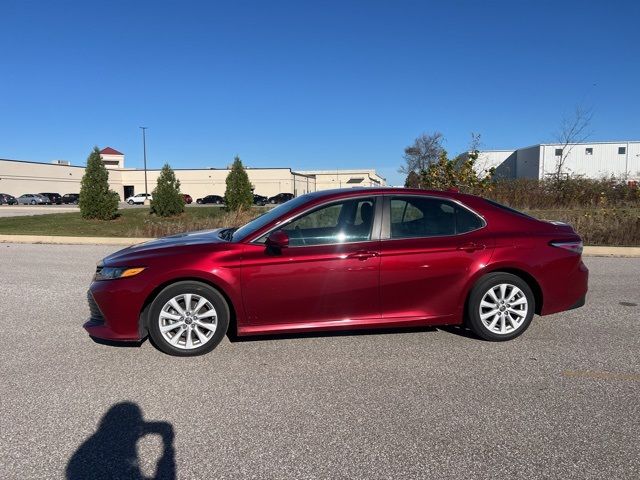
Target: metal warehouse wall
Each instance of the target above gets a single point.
(528, 162)
(496, 158)
(605, 161)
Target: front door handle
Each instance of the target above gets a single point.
(363, 254)
(471, 247)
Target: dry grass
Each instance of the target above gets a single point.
(565, 194)
(599, 226)
(160, 227)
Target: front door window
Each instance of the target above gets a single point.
(346, 221)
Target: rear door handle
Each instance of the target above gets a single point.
(363, 255)
(471, 247)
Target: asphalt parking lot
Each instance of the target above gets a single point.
(562, 401)
(26, 210)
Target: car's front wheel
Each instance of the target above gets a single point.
(188, 318)
(501, 307)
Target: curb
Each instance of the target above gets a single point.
(589, 251)
(62, 240)
(611, 251)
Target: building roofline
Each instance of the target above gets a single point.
(608, 142)
(138, 169)
(40, 163)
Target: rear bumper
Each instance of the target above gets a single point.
(579, 303)
(568, 292)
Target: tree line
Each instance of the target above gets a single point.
(98, 201)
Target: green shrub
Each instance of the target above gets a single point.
(96, 200)
(459, 173)
(238, 195)
(167, 200)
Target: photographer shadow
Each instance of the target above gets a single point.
(111, 452)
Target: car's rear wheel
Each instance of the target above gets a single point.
(188, 318)
(501, 307)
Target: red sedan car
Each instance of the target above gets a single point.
(343, 259)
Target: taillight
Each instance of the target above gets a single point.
(572, 246)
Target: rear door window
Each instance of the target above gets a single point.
(413, 217)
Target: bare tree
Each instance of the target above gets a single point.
(475, 142)
(425, 150)
(574, 129)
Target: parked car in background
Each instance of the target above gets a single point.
(138, 198)
(8, 199)
(280, 198)
(55, 198)
(187, 198)
(260, 200)
(71, 198)
(342, 260)
(215, 199)
(32, 199)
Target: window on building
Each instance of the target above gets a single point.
(588, 151)
(622, 150)
(558, 152)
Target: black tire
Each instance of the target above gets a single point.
(482, 288)
(33, 202)
(198, 288)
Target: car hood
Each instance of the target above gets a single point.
(161, 245)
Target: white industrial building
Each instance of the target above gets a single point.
(18, 177)
(588, 160)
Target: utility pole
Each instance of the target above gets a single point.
(144, 152)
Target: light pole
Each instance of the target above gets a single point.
(144, 152)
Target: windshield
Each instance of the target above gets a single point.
(257, 223)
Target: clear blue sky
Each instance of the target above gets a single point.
(308, 84)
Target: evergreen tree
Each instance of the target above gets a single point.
(238, 195)
(96, 200)
(166, 197)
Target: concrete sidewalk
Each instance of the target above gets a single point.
(65, 240)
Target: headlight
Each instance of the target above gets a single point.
(110, 273)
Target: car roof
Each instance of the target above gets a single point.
(338, 192)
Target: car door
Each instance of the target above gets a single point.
(327, 276)
(429, 247)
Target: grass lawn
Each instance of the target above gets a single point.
(597, 226)
(132, 222)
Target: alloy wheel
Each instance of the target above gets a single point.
(503, 309)
(188, 321)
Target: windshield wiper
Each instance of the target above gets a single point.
(227, 234)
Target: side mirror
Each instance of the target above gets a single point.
(278, 239)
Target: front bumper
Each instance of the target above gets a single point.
(115, 311)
